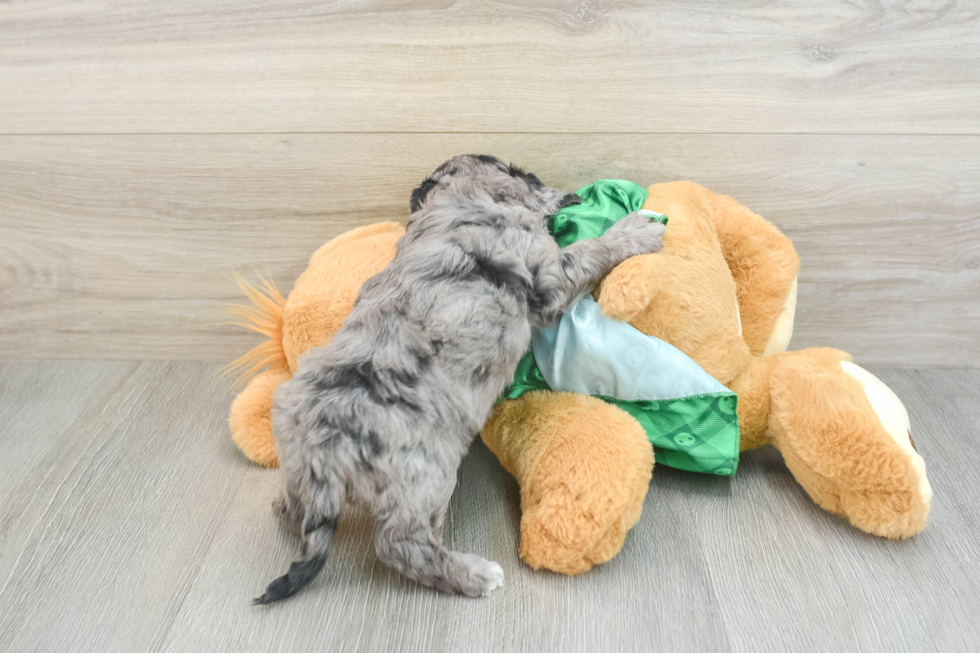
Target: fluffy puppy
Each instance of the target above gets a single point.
(384, 412)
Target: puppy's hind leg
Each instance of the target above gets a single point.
(289, 509)
(409, 533)
(321, 514)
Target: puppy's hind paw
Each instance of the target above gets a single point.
(494, 578)
(482, 578)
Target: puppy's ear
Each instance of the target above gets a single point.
(520, 173)
(420, 193)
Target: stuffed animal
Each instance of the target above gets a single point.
(723, 292)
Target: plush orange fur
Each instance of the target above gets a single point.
(851, 469)
(569, 521)
(251, 418)
(763, 264)
(715, 292)
(264, 316)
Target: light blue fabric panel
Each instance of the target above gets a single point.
(592, 354)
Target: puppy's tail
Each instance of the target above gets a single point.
(319, 539)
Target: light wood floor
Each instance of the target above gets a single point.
(130, 523)
(147, 149)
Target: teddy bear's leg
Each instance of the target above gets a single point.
(846, 438)
(583, 466)
(251, 418)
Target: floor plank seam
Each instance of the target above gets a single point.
(178, 609)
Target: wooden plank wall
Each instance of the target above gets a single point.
(149, 149)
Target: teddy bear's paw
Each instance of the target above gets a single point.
(845, 436)
(899, 514)
(892, 508)
(546, 544)
(895, 515)
(569, 534)
(630, 287)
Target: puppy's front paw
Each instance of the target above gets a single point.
(637, 234)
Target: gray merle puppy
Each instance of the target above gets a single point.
(384, 413)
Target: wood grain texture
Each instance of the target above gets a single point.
(114, 514)
(39, 406)
(827, 66)
(121, 247)
(135, 525)
(781, 562)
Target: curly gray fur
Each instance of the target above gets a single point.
(384, 412)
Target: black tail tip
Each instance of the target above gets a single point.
(299, 576)
(277, 590)
(266, 599)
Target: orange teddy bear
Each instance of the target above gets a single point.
(723, 292)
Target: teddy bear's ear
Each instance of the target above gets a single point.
(419, 194)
